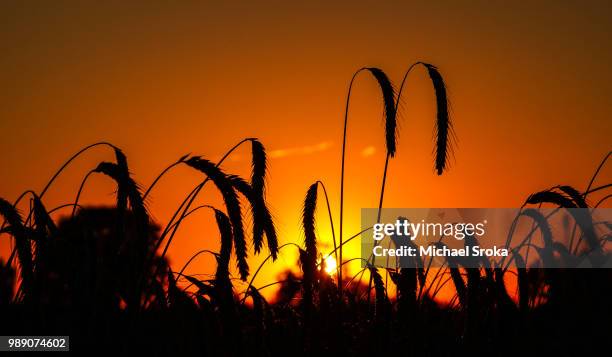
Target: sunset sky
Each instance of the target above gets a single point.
(529, 84)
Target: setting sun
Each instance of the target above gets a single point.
(330, 265)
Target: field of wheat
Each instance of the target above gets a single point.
(100, 274)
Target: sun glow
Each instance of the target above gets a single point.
(330, 265)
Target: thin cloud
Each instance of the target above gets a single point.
(299, 151)
(288, 152)
(368, 151)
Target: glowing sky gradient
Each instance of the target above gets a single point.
(529, 83)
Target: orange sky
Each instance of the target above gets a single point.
(529, 86)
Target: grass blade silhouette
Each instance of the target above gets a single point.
(443, 123)
(388, 94)
(22, 245)
(262, 218)
(232, 204)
